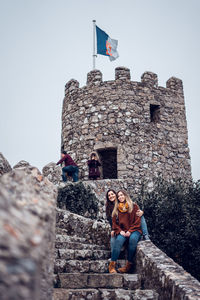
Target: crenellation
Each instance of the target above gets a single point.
(71, 86)
(175, 84)
(149, 79)
(122, 73)
(94, 78)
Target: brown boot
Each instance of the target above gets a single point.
(112, 267)
(127, 268)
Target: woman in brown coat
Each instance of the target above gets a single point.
(126, 225)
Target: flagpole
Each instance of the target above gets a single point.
(94, 53)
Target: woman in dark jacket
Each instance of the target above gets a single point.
(111, 197)
(94, 165)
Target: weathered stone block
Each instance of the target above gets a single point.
(78, 280)
(105, 280)
(4, 165)
(77, 266)
(150, 79)
(52, 172)
(61, 294)
(94, 77)
(65, 254)
(83, 254)
(119, 294)
(132, 281)
(21, 164)
(122, 73)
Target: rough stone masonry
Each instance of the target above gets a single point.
(27, 222)
(142, 124)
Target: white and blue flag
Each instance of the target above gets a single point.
(106, 45)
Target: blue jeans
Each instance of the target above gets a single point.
(144, 226)
(112, 242)
(132, 245)
(73, 170)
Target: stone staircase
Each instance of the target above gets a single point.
(81, 263)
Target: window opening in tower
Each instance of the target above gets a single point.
(155, 113)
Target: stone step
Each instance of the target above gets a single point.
(63, 237)
(104, 294)
(78, 246)
(84, 266)
(94, 280)
(70, 254)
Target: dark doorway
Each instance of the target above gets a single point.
(108, 158)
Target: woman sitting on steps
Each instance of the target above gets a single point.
(126, 225)
(111, 196)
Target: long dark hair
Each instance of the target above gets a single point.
(109, 204)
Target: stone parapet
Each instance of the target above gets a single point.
(161, 273)
(4, 165)
(27, 235)
(75, 225)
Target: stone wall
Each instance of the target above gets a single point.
(144, 122)
(162, 274)
(77, 226)
(4, 165)
(27, 235)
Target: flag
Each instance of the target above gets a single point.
(106, 45)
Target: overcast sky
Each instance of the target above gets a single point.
(45, 43)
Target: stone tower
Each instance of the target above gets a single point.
(138, 129)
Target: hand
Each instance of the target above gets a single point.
(139, 213)
(112, 233)
(127, 234)
(123, 233)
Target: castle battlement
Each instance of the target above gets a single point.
(138, 129)
(122, 75)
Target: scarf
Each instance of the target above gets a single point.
(123, 207)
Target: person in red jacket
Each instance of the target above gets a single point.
(126, 225)
(70, 167)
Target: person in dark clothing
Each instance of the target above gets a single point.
(94, 165)
(111, 197)
(70, 167)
